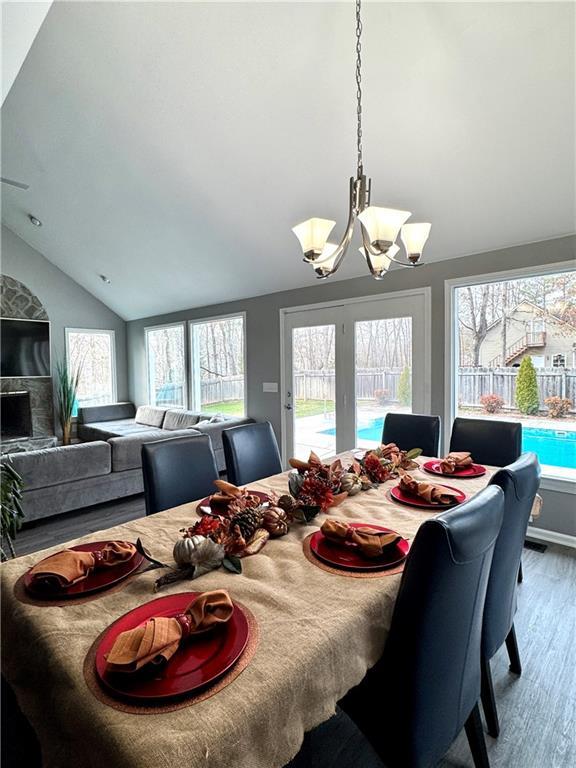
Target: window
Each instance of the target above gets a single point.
(509, 331)
(166, 365)
(93, 354)
(217, 365)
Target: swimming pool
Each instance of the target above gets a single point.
(553, 446)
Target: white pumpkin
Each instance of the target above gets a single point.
(184, 549)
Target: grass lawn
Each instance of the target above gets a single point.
(313, 407)
(227, 407)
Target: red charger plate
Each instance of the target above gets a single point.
(206, 507)
(198, 661)
(474, 470)
(398, 494)
(348, 556)
(100, 579)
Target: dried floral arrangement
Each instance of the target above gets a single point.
(315, 486)
(242, 527)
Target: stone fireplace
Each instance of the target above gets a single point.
(15, 415)
(16, 300)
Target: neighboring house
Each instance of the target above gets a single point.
(530, 330)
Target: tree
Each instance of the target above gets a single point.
(405, 388)
(527, 396)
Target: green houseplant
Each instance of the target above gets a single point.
(11, 506)
(66, 390)
(527, 395)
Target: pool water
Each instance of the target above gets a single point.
(556, 447)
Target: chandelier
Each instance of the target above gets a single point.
(379, 226)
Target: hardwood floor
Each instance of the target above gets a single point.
(537, 710)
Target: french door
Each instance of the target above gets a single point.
(347, 365)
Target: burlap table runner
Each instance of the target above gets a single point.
(318, 637)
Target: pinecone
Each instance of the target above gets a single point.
(247, 521)
(287, 503)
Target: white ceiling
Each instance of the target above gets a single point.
(171, 146)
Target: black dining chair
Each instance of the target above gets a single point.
(411, 430)
(251, 453)
(426, 686)
(520, 482)
(177, 470)
(498, 443)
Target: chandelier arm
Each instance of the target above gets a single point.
(344, 244)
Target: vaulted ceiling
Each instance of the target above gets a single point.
(171, 146)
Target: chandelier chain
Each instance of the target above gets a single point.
(359, 86)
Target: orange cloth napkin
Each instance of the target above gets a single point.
(455, 460)
(433, 494)
(370, 542)
(70, 566)
(158, 639)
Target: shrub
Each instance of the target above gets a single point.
(527, 397)
(405, 387)
(492, 403)
(381, 396)
(557, 406)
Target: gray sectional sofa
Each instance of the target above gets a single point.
(108, 464)
(147, 423)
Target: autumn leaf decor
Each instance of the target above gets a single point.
(315, 487)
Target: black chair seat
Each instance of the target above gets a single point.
(411, 430)
(520, 482)
(413, 703)
(177, 470)
(497, 443)
(251, 453)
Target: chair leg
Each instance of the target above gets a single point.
(476, 740)
(520, 574)
(488, 700)
(513, 653)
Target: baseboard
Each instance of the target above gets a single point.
(552, 537)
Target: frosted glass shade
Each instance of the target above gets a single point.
(382, 224)
(324, 264)
(313, 235)
(414, 237)
(383, 261)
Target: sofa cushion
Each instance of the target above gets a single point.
(104, 430)
(178, 419)
(150, 415)
(127, 450)
(64, 464)
(113, 412)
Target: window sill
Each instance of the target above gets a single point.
(558, 481)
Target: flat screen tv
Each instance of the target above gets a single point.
(24, 348)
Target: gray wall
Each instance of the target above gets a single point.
(263, 332)
(68, 304)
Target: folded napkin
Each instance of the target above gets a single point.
(157, 640)
(370, 542)
(71, 566)
(455, 460)
(433, 494)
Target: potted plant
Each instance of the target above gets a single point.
(11, 506)
(66, 390)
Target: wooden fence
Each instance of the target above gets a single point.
(472, 384)
(552, 382)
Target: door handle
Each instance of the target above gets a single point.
(288, 407)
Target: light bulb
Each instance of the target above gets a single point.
(313, 235)
(382, 225)
(414, 237)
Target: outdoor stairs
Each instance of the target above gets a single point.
(521, 345)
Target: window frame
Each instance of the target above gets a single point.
(197, 407)
(182, 324)
(102, 331)
(550, 481)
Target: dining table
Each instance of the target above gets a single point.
(319, 632)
